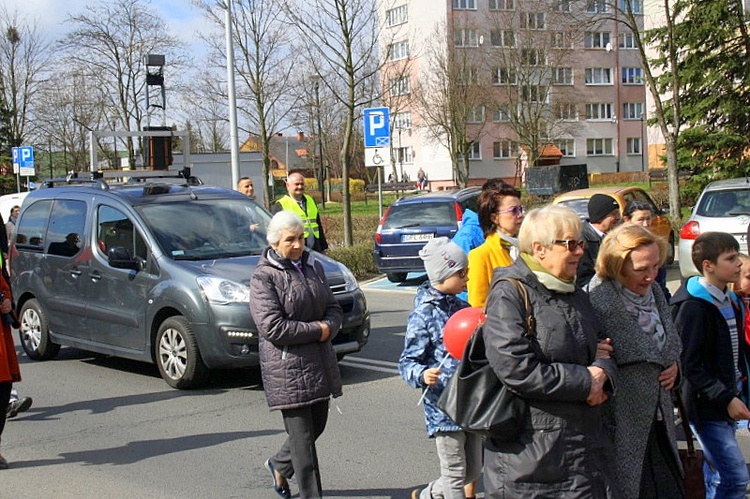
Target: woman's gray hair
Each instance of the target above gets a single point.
(283, 220)
(544, 225)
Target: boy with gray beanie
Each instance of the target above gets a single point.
(426, 364)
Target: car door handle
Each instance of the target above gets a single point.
(95, 276)
(75, 273)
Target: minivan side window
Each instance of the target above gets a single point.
(66, 226)
(33, 225)
(114, 228)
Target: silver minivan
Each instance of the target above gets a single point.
(723, 206)
(151, 271)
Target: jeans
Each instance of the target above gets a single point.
(729, 477)
(460, 456)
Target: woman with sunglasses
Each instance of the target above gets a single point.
(500, 216)
(636, 315)
(564, 370)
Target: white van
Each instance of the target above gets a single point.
(8, 201)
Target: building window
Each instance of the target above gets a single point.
(404, 154)
(502, 4)
(533, 93)
(632, 76)
(596, 39)
(561, 39)
(564, 5)
(400, 86)
(503, 38)
(402, 121)
(635, 5)
(597, 6)
(502, 114)
(398, 51)
(599, 147)
(466, 38)
(464, 4)
(475, 151)
(532, 20)
(504, 149)
(567, 147)
(532, 57)
(598, 76)
(469, 76)
(562, 76)
(475, 115)
(566, 111)
(504, 76)
(627, 40)
(397, 15)
(634, 145)
(632, 110)
(599, 111)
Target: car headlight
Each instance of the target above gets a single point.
(349, 280)
(223, 291)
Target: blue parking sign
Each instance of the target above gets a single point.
(377, 127)
(26, 161)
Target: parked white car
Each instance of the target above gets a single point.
(723, 206)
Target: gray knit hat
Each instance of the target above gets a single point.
(442, 258)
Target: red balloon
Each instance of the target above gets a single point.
(458, 329)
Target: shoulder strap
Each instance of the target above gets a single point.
(529, 320)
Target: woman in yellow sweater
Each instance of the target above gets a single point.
(500, 216)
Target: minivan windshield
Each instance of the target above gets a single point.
(207, 229)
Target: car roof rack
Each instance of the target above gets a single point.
(146, 176)
(74, 179)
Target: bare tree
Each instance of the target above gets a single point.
(341, 38)
(264, 65)
(206, 109)
(110, 41)
(530, 53)
(24, 54)
(665, 67)
(451, 97)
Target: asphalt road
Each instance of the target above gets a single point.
(102, 427)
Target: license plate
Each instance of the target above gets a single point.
(414, 238)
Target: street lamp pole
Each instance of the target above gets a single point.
(400, 154)
(49, 145)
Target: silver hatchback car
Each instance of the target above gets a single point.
(723, 206)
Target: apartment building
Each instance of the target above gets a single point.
(541, 72)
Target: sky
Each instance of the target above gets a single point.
(183, 18)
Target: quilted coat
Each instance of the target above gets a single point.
(565, 450)
(639, 392)
(286, 305)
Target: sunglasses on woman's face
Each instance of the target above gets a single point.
(516, 210)
(570, 244)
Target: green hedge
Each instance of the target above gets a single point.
(357, 258)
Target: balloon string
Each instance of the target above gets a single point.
(424, 393)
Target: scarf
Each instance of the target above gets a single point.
(549, 281)
(509, 242)
(644, 311)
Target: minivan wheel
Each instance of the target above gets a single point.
(178, 356)
(397, 276)
(34, 332)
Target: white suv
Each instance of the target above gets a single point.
(723, 206)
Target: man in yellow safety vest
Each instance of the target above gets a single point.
(303, 205)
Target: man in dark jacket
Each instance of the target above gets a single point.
(714, 358)
(604, 215)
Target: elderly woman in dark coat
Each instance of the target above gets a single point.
(564, 450)
(297, 316)
(637, 318)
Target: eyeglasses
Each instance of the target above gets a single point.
(571, 244)
(516, 210)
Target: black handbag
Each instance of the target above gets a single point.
(691, 458)
(475, 399)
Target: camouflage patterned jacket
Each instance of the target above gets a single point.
(424, 348)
